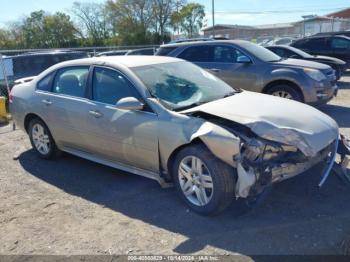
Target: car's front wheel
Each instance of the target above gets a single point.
(204, 182)
(285, 91)
(41, 139)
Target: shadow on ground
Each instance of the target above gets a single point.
(341, 114)
(296, 218)
(343, 84)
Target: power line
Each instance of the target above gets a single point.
(280, 11)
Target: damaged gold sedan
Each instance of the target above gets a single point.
(171, 121)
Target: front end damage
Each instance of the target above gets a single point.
(261, 162)
(270, 162)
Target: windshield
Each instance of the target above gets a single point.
(261, 52)
(182, 85)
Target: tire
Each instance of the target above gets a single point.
(39, 134)
(220, 196)
(285, 91)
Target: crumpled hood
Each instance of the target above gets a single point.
(276, 119)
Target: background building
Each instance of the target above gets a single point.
(313, 24)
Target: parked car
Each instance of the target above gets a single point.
(33, 63)
(113, 53)
(279, 41)
(329, 45)
(142, 51)
(252, 67)
(284, 40)
(187, 40)
(292, 52)
(345, 33)
(169, 120)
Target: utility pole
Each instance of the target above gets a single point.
(213, 15)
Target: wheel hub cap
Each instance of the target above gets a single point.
(195, 181)
(41, 139)
(282, 94)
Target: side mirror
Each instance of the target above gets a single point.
(243, 59)
(129, 103)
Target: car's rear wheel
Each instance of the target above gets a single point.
(285, 91)
(205, 183)
(41, 139)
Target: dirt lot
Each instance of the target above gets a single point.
(73, 206)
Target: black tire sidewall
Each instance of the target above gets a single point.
(215, 166)
(296, 95)
(52, 150)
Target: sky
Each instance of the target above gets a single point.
(243, 12)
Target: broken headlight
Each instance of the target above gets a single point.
(256, 150)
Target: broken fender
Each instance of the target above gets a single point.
(223, 144)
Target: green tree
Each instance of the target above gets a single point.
(163, 11)
(190, 18)
(41, 30)
(131, 20)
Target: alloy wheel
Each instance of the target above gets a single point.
(283, 94)
(195, 181)
(41, 139)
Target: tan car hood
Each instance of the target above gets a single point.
(276, 119)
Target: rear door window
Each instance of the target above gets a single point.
(198, 54)
(71, 81)
(226, 54)
(316, 44)
(340, 43)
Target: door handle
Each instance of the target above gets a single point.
(46, 102)
(215, 70)
(95, 114)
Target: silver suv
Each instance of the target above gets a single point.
(249, 66)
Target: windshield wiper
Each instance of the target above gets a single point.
(279, 60)
(232, 93)
(191, 105)
(207, 101)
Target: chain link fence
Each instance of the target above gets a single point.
(273, 32)
(9, 72)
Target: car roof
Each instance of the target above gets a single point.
(127, 61)
(237, 42)
(281, 46)
(324, 36)
(40, 53)
(115, 51)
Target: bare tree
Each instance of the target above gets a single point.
(92, 17)
(131, 19)
(163, 10)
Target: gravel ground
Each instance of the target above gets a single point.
(73, 206)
